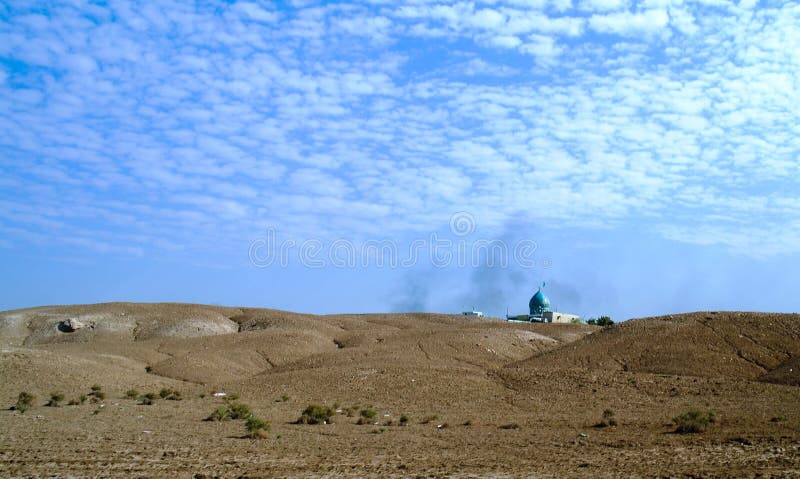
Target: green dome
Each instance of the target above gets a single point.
(539, 303)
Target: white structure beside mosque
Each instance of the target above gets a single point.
(541, 312)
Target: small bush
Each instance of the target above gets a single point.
(239, 411)
(132, 394)
(315, 414)
(73, 402)
(368, 413)
(24, 401)
(201, 395)
(512, 425)
(693, 421)
(467, 423)
(404, 419)
(607, 420)
(165, 392)
(221, 413)
(604, 321)
(82, 398)
(147, 399)
(232, 397)
(256, 428)
(55, 399)
(429, 419)
(174, 396)
(97, 394)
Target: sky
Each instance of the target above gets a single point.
(638, 157)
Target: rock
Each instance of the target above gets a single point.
(71, 325)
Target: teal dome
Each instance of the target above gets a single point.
(539, 303)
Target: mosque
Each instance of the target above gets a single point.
(541, 312)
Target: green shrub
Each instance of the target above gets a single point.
(96, 388)
(368, 413)
(693, 421)
(315, 414)
(55, 399)
(132, 394)
(82, 398)
(147, 399)
(165, 392)
(404, 419)
(232, 397)
(24, 401)
(604, 321)
(256, 428)
(221, 413)
(239, 411)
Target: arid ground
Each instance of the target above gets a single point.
(482, 398)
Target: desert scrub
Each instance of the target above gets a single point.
(315, 414)
(511, 425)
(367, 416)
(24, 401)
(131, 394)
(429, 419)
(256, 428)
(239, 411)
(404, 419)
(97, 394)
(221, 413)
(693, 421)
(231, 411)
(55, 399)
(170, 394)
(147, 399)
(607, 419)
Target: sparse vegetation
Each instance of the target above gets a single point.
(221, 413)
(239, 411)
(467, 423)
(256, 428)
(24, 401)
(55, 399)
(315, 414)
(404, 419)
(607, 420)
(97, 395)
(147, 399)
(368, 413)
(132, 394)
(693, 421)
(429, 419)
(170, 394)
(232, 397)
(511, 425)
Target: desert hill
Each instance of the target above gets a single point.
(711, 344)
(485, 397)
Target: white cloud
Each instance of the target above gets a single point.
(630, 24)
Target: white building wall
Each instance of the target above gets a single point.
(554, 317)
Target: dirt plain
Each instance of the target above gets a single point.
(485, 398)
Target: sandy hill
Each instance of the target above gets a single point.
(485, 397)
(710, 344)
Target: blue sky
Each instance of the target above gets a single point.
(647, 152)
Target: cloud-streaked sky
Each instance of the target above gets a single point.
(144, 147)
